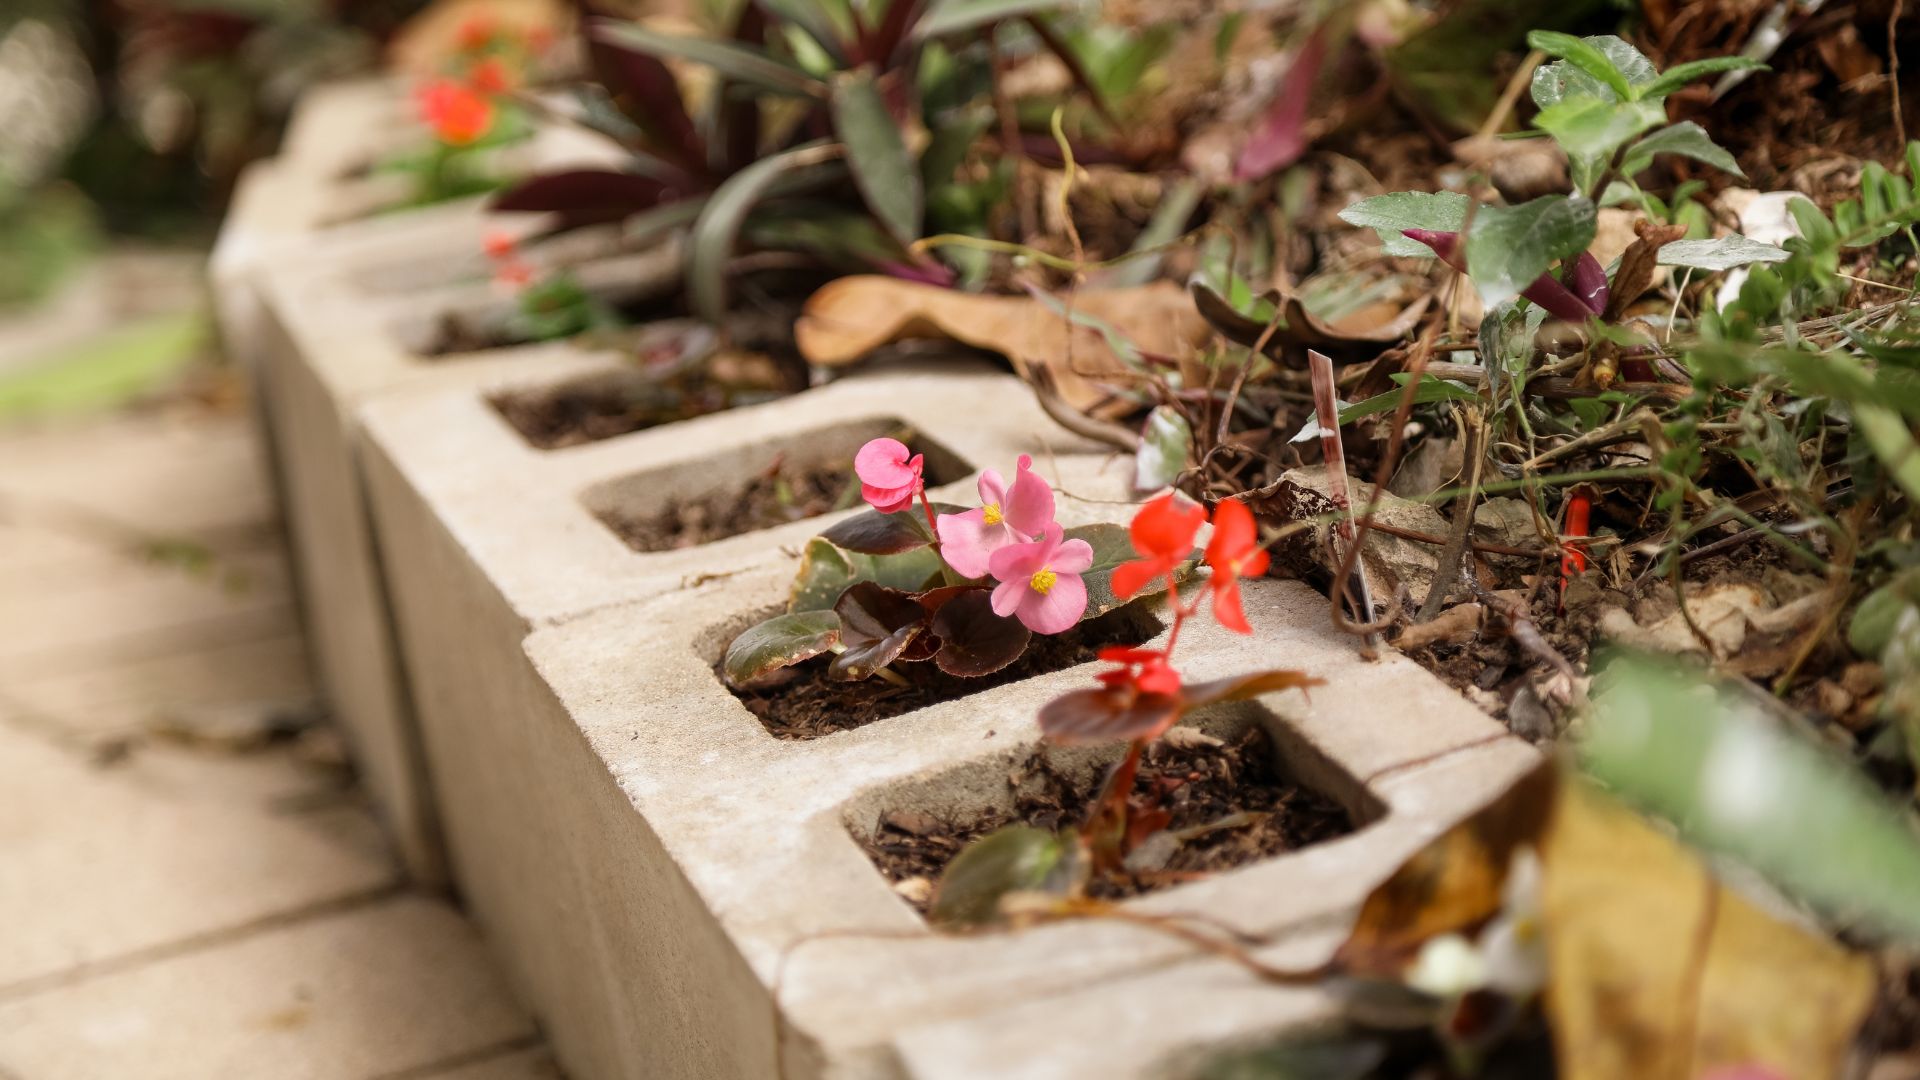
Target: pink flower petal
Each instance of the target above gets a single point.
(1029, 505)
(888, 500)
(1057, 609)
(966, 541)
(1071, 557)
(883, 463)
(993, 490)
(1007, 596)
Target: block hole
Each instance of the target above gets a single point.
(1241, 785)
(760, 485)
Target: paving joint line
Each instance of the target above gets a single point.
(227, 935)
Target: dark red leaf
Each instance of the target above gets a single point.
(1282, 137)
(877, 624)
(585, 196)
(1107, 714)
(1241, 687)
(1588, 280)
(881, 42)
(645, 92)
(973, 640)
(740, 113)
(874, 533)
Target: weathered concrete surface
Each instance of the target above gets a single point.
(104, 861)
(380, 989)
(332, 347)
(197, 901)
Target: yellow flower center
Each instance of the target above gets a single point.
(1043, 580)
(992, 513)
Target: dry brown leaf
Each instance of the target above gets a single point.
(1453, 884)
(849, 318)
(1656, 970)
(1638, 265)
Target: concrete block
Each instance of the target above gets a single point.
(397, 988)
(689, 860)
(332, 346)
(700, 863)
(107, 861)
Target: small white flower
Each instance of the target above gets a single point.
(1448, 967)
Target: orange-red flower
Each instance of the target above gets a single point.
(1233, 553)
(1162, 532)
(477, 33)
(490, 75)
(457, 113)
(1145, 669)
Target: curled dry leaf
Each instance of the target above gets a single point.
(1639, 264)
(1354, 337)
(849, 318)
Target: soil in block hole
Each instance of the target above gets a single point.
(1229, 800)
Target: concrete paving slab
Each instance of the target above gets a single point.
(386, 988)
(102, 862)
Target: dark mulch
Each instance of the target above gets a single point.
(811, 704)
(1199, 784)
(772, 498)
(584, 414)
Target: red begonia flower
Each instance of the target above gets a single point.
(1233, 553)
(1162, 532)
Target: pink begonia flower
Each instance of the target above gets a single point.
(889, 479)
(1040, 582)
(1009, 515)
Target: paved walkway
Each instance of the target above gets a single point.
(191, 885)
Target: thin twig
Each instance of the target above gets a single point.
(1893, 70)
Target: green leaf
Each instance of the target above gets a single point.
(810, 16)
(1592, 57)
(1111, 546)
(1872, 624)
(1163, 449)
(1687, 139)
(1591, 129)
(1430, 390)
(1681, 74)
(1389, 215)
(882, 168)
(710, 246)
(1509, 246)
(826, 571)
(781, 641)
(1018, 858)
(954, 16)
(1736, 783)
(1723, 254)
(731, 59)
(1887, 433)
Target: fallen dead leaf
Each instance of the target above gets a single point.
(1451, 627)
(849, 318)
(1655, 969)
